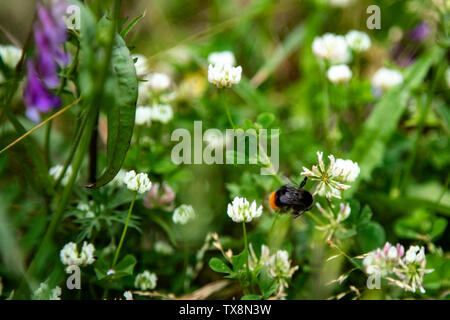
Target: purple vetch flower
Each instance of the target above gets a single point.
(37, 96)
(406, 51)
(419, 33)
(50, 33)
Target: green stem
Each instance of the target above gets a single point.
(229, 116)
(314, 218)
(122, 238)
(186, 260)
(246, 254)
(422, 119)
(78, 133)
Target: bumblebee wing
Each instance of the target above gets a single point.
(290, 198)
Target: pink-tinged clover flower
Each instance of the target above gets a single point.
(404, 270)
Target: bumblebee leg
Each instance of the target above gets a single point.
(303, 183)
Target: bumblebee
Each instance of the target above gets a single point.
(293, 199)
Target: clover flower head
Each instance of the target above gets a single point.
(146, 280)
(158, 81)
(386, 78)
(224, 75)
(222, 57)
(347, 169)
(143, 116)
(240, 210)
(339, 73)
(357, 40)
(340, 3)
(332, 48)
(405, 270)
(69, 254)
(183, 214)
(137, 182)
(56, 171)
(46, 293)
(86, 209)
(331, 179)
(278, 265)
(383, 261)
(162, 113)
(163, 247)
(281, 265)
(160, 196)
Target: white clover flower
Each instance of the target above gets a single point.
(224, 75)
(152, 82)
(223, 57)
(128, 295)
(86, 209)
(386, 78)
(330, 179)
(158, 81)
(332, 47)
(141, 64)
(278, 265)
(340, 3)
(146, 280)
(281, 265)
(162, 113)
(45, 293)
(347, 169)
(87, 254)
(410, 256)
(339, 73)
(10, 55)
(69, 254)
(56, 171)
(357, 40)
(163, 247)
(183, 214)
(240, 210)
(137, 182)
(143, 116)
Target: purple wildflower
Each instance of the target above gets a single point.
(419, 33)
(406, 51)
(37, 97)
(42, 70)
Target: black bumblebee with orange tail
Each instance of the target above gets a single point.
(294, 199)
